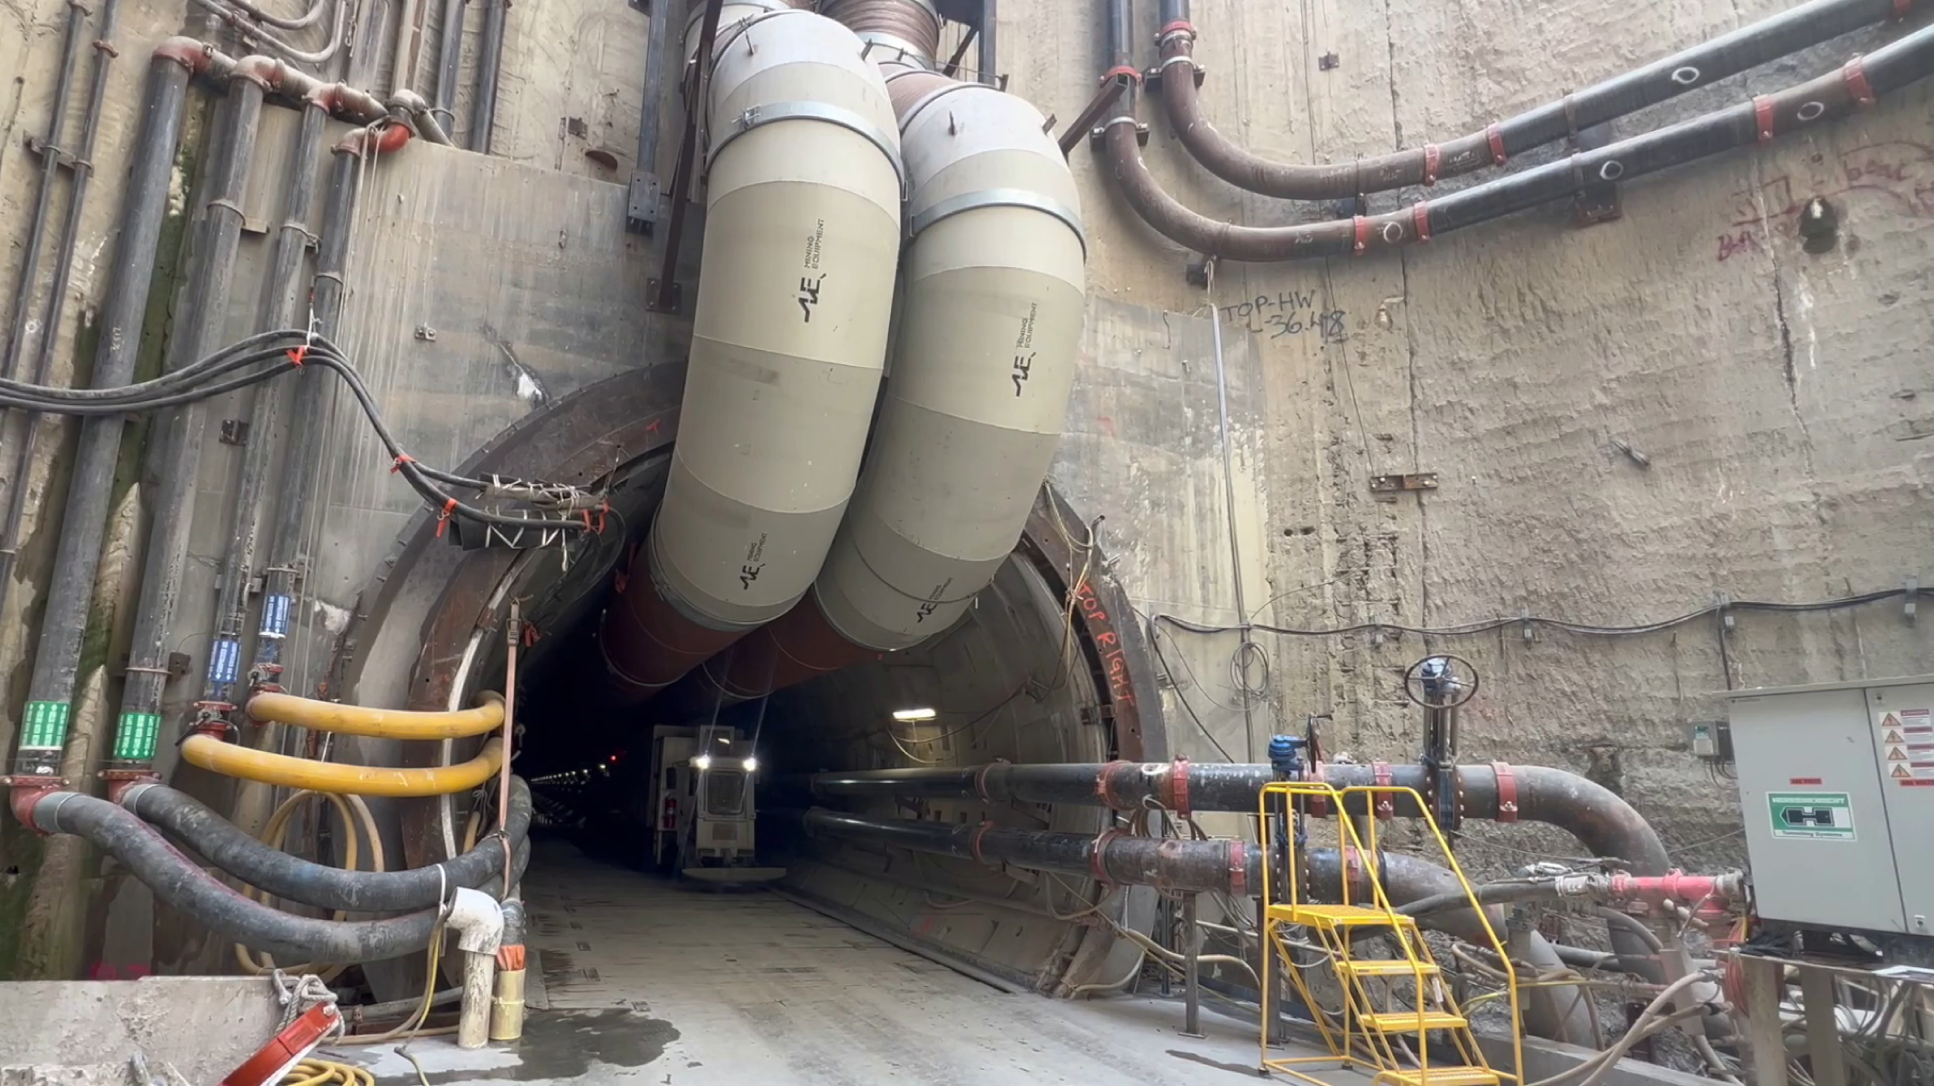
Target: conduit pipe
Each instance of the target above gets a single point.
(234, 851)
(1757, 120)
(449, 60)
(297, 479)
(788, 343)
(43, 729)
(177, 460)
(280, 309)
(183, 884)
(989, 329)
(329, 716)
(231, 760)
(490, 59)
(1789, 32)
(83, 167)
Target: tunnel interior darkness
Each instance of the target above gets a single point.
(1019, 677)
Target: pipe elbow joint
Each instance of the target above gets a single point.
(263, 71)
(26, 795)
(379, 138)
(479, 921)
(191, 53)
(405, 98)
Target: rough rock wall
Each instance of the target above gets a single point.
(1781, 397)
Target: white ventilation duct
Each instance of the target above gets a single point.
(789, 338)
(982, 370)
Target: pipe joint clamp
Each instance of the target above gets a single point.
(773, 113)
(970, 201)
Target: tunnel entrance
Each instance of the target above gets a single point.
(1047, 666)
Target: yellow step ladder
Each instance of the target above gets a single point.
(1398, 1017)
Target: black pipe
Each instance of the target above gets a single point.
(280, 309)
(50, 158)
(83, 166)
(490, 58)
(1860, 82)
(204, 311)
(1121, 51)
(183, 884)
(449, 60)
(299, 473)
(1600, 819)
(232, 850)
(1788, 32)
(1562, 1014)
(70, 588)
(1229, 867)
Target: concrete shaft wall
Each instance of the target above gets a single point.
(1782, 398)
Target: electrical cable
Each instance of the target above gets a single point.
(271, 354)
(1485, 626)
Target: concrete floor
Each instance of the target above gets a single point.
(650, 983)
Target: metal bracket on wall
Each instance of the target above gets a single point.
(1387, 487)
(234, 432)
(666, 297)
(641, 202)
(1911, 592)
(1596, 199)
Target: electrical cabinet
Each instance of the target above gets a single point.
(1836, 784)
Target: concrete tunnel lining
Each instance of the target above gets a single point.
(429, 635)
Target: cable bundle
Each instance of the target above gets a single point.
(557, 506)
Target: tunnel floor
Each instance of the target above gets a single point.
(644, 981)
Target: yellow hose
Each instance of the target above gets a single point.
(315, 1072)
(231, 760)
(329, 716)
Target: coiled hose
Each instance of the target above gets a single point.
(295, 879)
(355, 814)
(182, 883)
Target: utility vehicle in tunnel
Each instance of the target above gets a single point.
(444, 544)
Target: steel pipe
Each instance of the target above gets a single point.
(1700, 66)
(122, 316)
(1757, 120)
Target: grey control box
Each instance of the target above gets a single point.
(1836, 783)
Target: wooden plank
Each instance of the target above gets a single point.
(1763, 983)
(1822, 1030)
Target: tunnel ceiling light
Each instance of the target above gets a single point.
(909, 716)
(702, 763)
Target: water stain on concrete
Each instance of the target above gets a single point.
(1196, 1057)
(567, 1044)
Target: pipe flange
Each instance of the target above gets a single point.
(1507, 789)
(775, 112)
(969, 201)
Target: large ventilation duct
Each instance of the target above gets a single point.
(789, 339)
(978, 389)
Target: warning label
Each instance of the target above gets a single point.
(1906, 745)
(1824, 816)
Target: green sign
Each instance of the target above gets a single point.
(135, 740)
(1823, 816)
(46, 726)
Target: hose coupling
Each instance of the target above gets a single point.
(120, 782)
(27, 791)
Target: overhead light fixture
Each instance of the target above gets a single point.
(751, 765)
(702, 763)
(911, 716)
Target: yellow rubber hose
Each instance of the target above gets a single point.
(329, 716)
(232, 760)
(315, 1072)
(354, 813)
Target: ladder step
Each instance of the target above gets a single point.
(1412, 1021)
(1442, 1076)
(1387, 967)
(1339, 916)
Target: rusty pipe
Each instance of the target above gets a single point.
(1857, 84)
(1790, 31)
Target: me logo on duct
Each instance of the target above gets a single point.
(809, 296)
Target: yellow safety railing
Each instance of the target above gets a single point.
(1362, 1032)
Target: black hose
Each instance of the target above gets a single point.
(1490, 893)
(182, 883)
(228, 847)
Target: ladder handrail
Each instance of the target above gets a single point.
(1368, 852)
